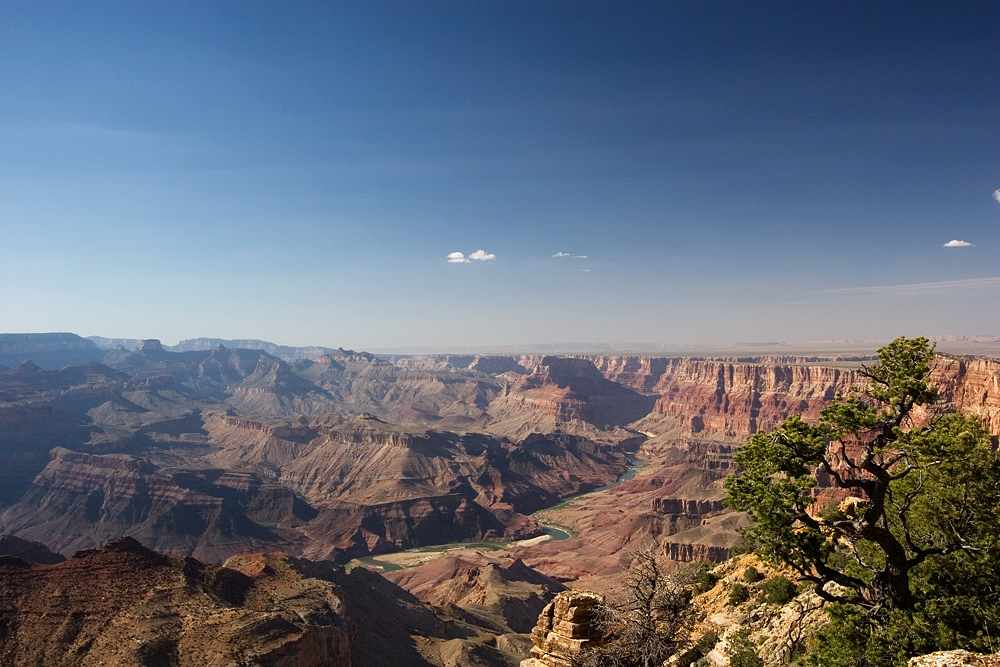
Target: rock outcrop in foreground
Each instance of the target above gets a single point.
(127, 605)
(955, 659)
(564, 629)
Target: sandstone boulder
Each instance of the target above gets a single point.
(564, 629)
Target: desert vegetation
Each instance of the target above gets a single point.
(902, 545)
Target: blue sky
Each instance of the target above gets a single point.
(301, 172)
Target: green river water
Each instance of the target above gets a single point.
(553, 530)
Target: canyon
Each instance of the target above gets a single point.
(212, 453)
(125, 604)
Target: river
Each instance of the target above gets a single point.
(554, 530)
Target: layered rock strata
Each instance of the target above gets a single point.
(564, 629)
(567, 390)
(970, 386)
(81, 500)
(727, 401)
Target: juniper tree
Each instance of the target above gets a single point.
(925, 495)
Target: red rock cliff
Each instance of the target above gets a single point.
(724, 400)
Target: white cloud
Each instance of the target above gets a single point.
(585, 270)
(956, 244)
(460, 258)
(561, 254)
(579, 257)
(996, 195)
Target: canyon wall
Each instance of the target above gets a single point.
(971, 386)
(722, 400)
(714, 399)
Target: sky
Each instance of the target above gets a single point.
(457, 174)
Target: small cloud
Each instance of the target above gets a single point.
(457, 258)
(585, 270)
(482, 255)
(996, 195)
(956, 244)
(561, 254)
(579, 257)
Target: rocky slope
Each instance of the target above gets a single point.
(82, 500)
(126, 605)
(507, 592)
(26, 550)
(955, 659)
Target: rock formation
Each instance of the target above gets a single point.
(564, 390)
(564, 629)
(778, 630)
(31, 552)
(971, 386)
(126, 605)
(507, 592)
(82, 500)
(722, 400)
(47, 350)
(955, 659)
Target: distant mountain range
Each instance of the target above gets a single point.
(57, 350)
(286, 352)
(53, 351)
(48, 350)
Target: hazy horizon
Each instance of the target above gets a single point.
(986, 346)
(395, 175)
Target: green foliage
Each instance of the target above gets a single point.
(743, 652)
(706, 581)
(738, 594)
(917, 554)
(842, 642)
(832, 512)
(752, 575)
(699, 576)
(778, 590)
(707, 642)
